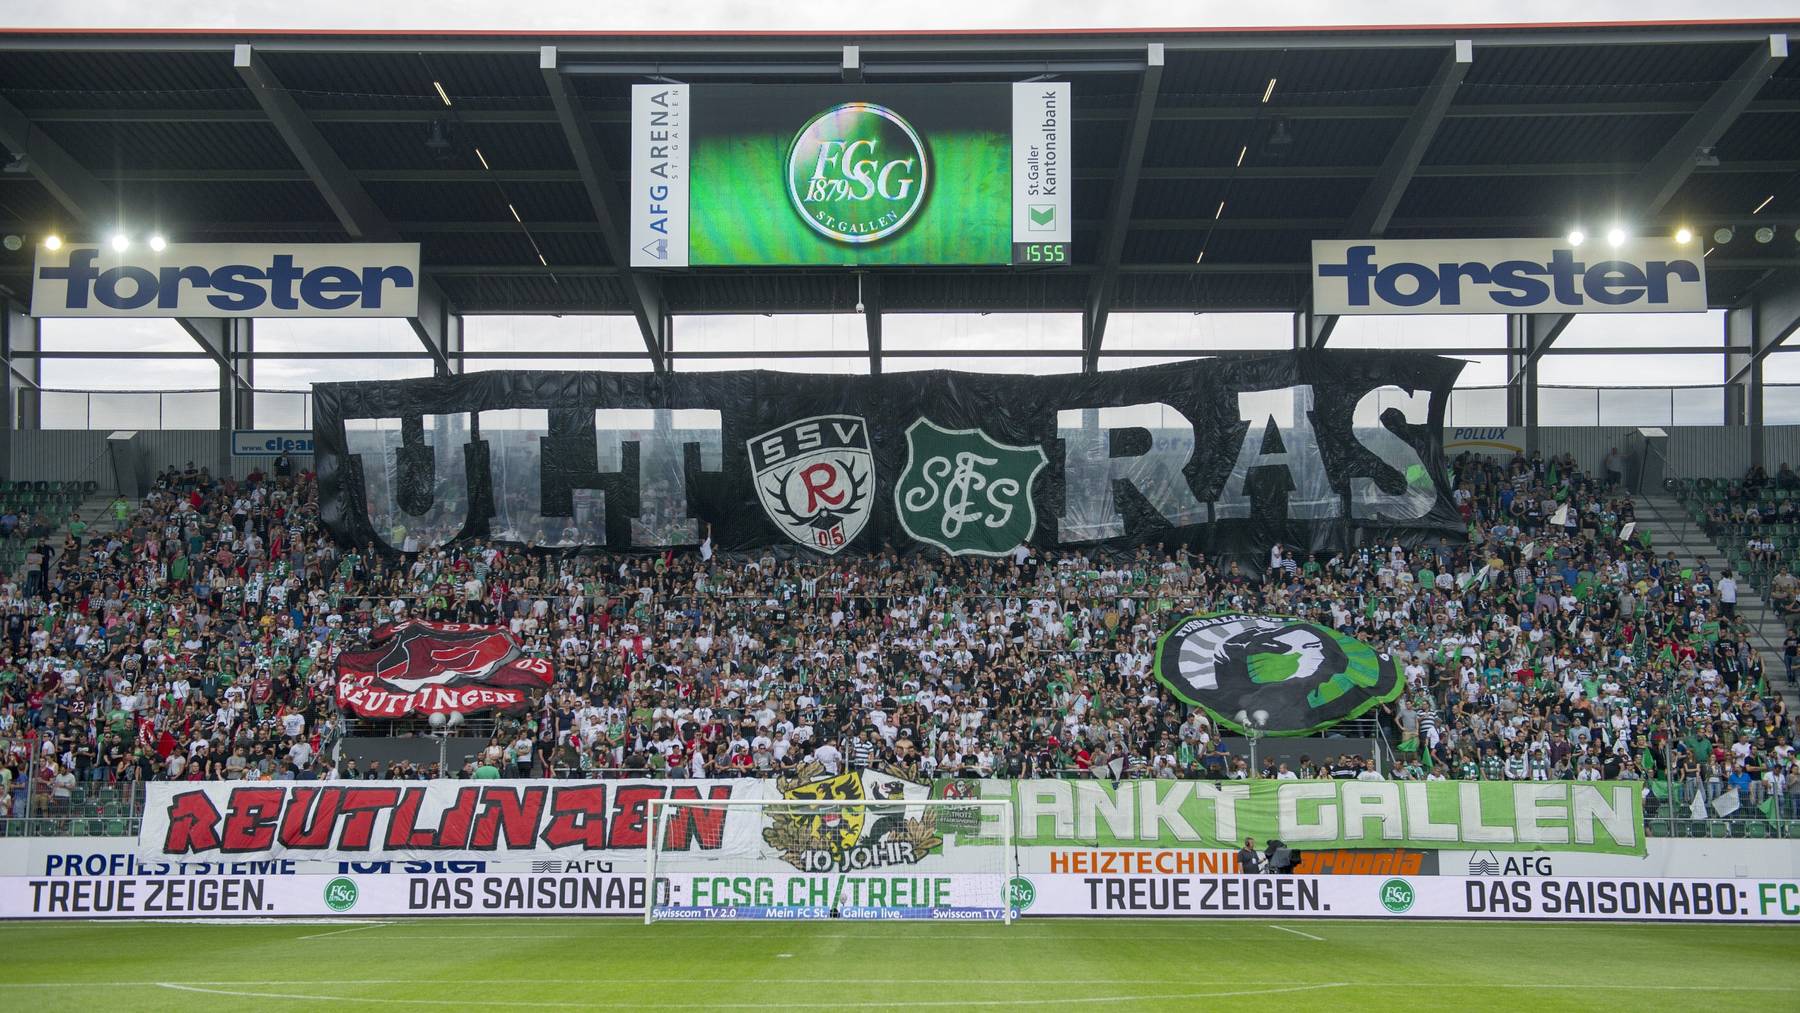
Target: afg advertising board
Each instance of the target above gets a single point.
(844, 174)
(791, 896)
(228, 280)
(545, 820)
(1406, 276)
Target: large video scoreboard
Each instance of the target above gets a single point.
(803, 175)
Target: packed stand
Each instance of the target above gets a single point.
(192, 638)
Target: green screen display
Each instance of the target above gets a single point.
(806, 174)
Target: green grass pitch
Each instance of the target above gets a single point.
(600, 963)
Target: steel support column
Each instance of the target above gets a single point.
(1744, 393)
(20, 410)
(1376, 208)
(339, 187)
(1112, 240)
(1524, 336)
(610, 208)
(1767, 317)
(869, 293)
(236, 396)
(86, 200)
(1661, 177)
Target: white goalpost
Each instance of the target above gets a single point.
(798, 859)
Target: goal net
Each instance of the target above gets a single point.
(946, 859)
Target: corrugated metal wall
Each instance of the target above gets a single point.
(1694, 451)
(1781, 444)
(62, 455)
(1587, 444)
(1713, 451)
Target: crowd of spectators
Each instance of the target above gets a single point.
(192, 637)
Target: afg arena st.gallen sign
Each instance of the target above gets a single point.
(857, 172)
(1272, 675)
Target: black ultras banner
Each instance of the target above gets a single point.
(1319, 450)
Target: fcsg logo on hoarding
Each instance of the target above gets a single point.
(857, 172)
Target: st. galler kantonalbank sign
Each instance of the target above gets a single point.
(851, 175)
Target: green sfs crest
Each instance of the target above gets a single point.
(965, 492)
(857, 172)
(1277, 675)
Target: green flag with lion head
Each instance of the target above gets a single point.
(1274, 675)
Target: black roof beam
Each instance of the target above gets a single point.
(868, 300)
(610, 209)
(1774, 303)
(881, 45)
(868, 286)
(91, 203)
(1082, 114)
(1112, 242)
(1781, 167)
(1662, 177)
(1375, 210)
(352, 205)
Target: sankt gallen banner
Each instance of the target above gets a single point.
(608, 820)
(1592, 816)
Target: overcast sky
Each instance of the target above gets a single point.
(846, 333)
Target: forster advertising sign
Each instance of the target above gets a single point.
(805, 174)
(228, 280)
(1404, 276)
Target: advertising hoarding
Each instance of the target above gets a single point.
(793, 896)
(1422, 276)
(228, 280)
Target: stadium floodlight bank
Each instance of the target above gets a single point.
(942, 859)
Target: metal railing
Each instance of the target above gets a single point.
(89, 809)
(1620, 406)
(196, 408)
(1469, 406)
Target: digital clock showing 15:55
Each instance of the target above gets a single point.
(1040, 254)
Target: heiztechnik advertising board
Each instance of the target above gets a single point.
(798, 175)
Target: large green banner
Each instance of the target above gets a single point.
(1593, 816)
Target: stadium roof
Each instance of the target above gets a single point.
(1367, 131)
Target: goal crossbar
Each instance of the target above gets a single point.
(656, 811)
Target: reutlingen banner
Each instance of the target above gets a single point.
(544, 820)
